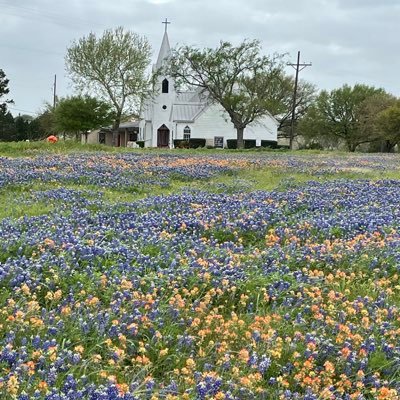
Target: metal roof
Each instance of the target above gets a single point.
(129, 124)
(187, 111)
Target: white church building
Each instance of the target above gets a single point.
(172, 115)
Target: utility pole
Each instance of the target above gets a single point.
(298, 67)
(54, 92)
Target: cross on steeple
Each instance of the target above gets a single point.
(166, 22)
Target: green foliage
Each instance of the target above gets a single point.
(46, 120)
(3, 91)
(388, 121)
(370, 125)
(7, 127)
(113, 67)
(337, 114)
(7, 130)
(306, 95)
(246, 84)
(247, 143)
(81, 114)
(23, 127)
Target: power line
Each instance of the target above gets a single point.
(25, 111)
(29, 12)
(298, 67)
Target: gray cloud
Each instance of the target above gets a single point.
(348, 41)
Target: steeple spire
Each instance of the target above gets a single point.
(165, 49)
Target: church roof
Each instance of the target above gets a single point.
(187, 112)
(164, 53)
(190, 97)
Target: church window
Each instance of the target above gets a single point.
(186, 133)
(165, 86)
(164, 107)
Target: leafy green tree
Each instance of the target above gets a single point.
(22, 127)
(337, 113)
(368, 123)
(388, 121)
(4, 90)
(7, 127)
(112, 67)
(245, 83)
(27, 128)
(80, 114)
(35, 131)
(46, 122)
(306, 95)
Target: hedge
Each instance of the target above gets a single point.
(248, 143)
(181, 144)
(273, 144)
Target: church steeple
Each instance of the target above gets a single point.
(165, 49)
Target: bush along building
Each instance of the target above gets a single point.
(189, 119)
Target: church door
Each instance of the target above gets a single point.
(163, 136)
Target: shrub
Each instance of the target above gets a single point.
(248, 143)
(140, 143)
(195, 143)
(273, 144)
(181, 144)
(283, 147)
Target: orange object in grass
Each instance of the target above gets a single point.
(52, 139)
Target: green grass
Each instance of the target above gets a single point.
(13, 203)
(22, 149)
(26, 149)
(278, 179)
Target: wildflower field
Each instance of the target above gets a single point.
(199, 275)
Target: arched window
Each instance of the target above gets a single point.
(186, 133)
(165, 86)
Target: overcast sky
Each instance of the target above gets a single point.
(347, 41)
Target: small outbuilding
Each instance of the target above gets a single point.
(127, 132)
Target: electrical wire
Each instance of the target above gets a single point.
(44, 15)
(25, 111)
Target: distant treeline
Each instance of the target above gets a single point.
(22, 127)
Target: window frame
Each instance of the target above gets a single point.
(165, 86)
(187, 131)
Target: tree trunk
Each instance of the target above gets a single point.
(240, 141)
(387, 146)
(117, 121)
(391, 146)
(352, 147)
